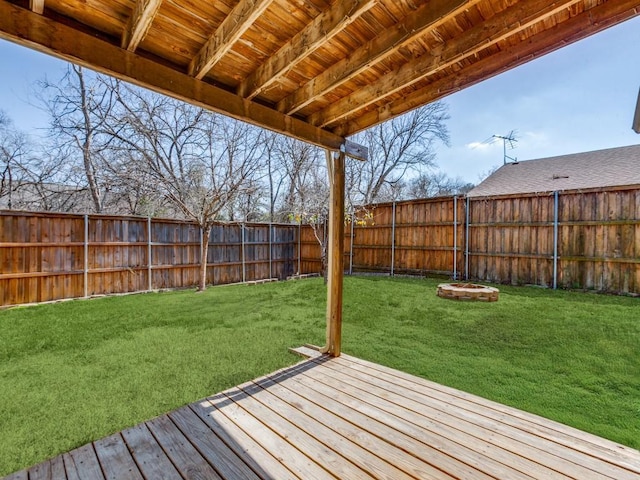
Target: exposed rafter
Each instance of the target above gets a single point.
(428, 16)
(572, 30)
(27, 28)
(497, 28)
(37, 6)
(139, 23)
(228, 33)
(324, 27)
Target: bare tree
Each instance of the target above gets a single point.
(79, 105)
(197, 160)
(12, 148)
(396, 147)
(436, 184)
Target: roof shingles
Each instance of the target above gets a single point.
(599, 169)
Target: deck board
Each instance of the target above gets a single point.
(327, 418)
(115, 459)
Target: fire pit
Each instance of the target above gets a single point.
(468, 291)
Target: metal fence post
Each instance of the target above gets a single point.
(86, 255)
(351, 246)
(150, 280)
(466, 241)
(270, 251)
(299, 240)
(393, 238)
(555, 240)
(244, 272)
(455, 237)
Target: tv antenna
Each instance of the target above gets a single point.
(511, 139)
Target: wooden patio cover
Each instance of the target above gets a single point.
(316, 70)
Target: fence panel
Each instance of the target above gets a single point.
(47, 256)
(41, 257)
(511, 240)
(117, 255)
(600, 241)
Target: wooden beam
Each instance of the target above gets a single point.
(226, 35)
(36, 31)
(427, 17)
(335, 260)
(636, 117)
(139, 23)
(576, 28)
(509, 22)
(324, 27)
(37, 6)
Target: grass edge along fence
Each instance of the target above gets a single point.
(53, 256)
(587, 239)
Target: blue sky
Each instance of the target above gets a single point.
(579, 98)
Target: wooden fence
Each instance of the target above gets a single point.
(54, 256)
(584, 240)
(573, 239)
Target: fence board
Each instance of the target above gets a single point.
(42, 255)
(510, 241)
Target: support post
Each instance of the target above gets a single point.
(393, 238)
(335, 166)
(555, 240)
(455, 237)
(149, 273)
(86, 256)
(466, 241)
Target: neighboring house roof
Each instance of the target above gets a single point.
(600, 169)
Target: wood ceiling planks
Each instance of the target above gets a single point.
(336, 66)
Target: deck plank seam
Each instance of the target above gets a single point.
(229, 418)
(287, 438)
(473, 456)
(333, 428)
(425, 444)
(603, 445)
(197, 410)
(533, 428)
(372, 433)
(273, 433)
(188, 436)
(194, 457)
(576, 463)
(155, 438)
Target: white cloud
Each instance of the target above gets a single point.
(479, 146)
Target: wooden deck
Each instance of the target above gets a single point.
(344, 418)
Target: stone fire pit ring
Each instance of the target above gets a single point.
(470, 292)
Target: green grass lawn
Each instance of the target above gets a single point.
(76, 371)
